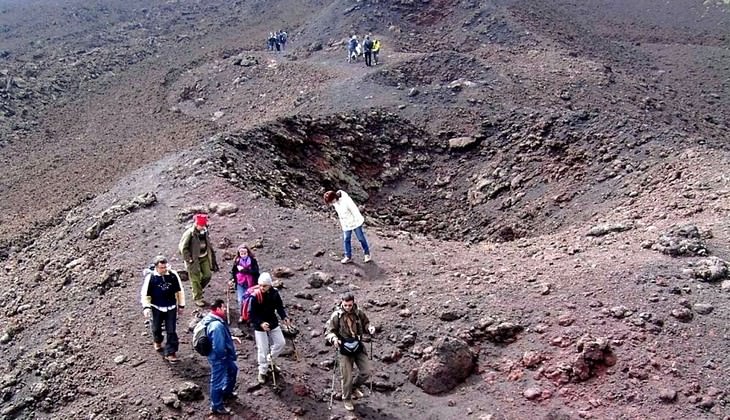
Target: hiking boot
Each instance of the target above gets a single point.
(172, 359)
(200, 303)
(357, 393)
(225, 411)
(261, 378)
(367, 258)
(157, 346)
(346, 260)
(349, 406)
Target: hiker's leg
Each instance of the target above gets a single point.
(363, 365)
(277, 342)
(262, 347)
(205, 273)
(360, 234)
(346, 371)
(171, 331)
(231, 374)
(240, 291)
(196, 283)
(217, 383)
(157, 319)
(347, 239)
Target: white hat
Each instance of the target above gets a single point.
(265, 280)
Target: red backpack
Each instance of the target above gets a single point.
(248, 297)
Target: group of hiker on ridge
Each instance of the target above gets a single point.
(369, 48)
(260, 304)
(276, 41)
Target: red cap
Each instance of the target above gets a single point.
(201, 219)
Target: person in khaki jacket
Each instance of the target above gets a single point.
(345, 329)
(197, 252)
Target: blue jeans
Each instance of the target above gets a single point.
(240, 290)
(360, 237)
(222, 380)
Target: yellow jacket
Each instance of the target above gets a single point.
(376, 45)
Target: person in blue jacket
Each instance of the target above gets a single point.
(222, 359)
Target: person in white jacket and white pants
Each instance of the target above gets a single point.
(351, 221)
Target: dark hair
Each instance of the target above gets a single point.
(217, 304)
(330, 196)
(347, 297)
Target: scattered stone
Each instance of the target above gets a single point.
(620, 312)
(189, 391)
(532, 393)
(683, 241)
(5, 338)
(703, 308)
(294, 244)
(449, 316)
(667, 395)
(531, 359)
(461, 143)
(710, 270)
(120, 359)
(451, 362)
(222, 209)
(282, 272)
(682, 314)
(319, 279)
(171, 401)
(606, 228)
(413, 92)
(404, 313)
(110, 215)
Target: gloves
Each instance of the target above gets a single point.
(147, 312)
(371, 330)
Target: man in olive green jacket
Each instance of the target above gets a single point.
(199, 256)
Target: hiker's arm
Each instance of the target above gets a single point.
(180, 292)
(213, 262)
(145, 297)
(331, 335)
(184, 246)
(234, 270)
(280, 307)
(366, 324)
(255, 269)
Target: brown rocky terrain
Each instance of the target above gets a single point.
(544, 185)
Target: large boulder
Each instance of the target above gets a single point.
(451, 362)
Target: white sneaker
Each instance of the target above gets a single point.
(367, 258)
(349, 406)
(346, 260)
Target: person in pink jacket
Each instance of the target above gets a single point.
(351, 221)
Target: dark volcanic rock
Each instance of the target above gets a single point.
(451, 362)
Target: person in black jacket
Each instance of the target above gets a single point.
(267, 333)
(367, 48)
(163, 299)
(244, 274)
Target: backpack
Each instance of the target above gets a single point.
(201, 342)
(248, 297)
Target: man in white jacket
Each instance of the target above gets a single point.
(351, 221)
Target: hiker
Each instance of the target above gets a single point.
(271, 40)
(163, 299)
(265, 304)
(222, 358)
(282, 39)
(352, 49)
(199, 256)
(367, 47)
(276, 41)
(376, 51)
(345, 329)
(244, 275)
(351, 221)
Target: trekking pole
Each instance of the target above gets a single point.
(273, 371)
(228, 305)
(334, 373)
(371, 370)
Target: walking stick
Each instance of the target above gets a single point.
(371, 369)
(334, 373)
(228, 305)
